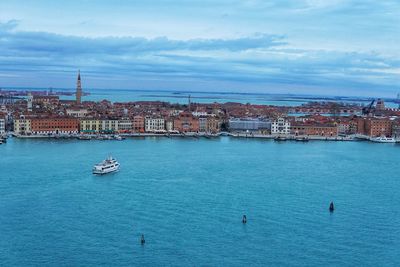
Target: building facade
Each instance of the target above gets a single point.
(374, 127)
(213, 125)
(2, 126)
(109, 126)
(138, 124)
(326, 130)
(22, 126)
(202, 124)
(154, 124)
(57, 125)
(125, 125)
(280, 126)
(249, 124)
(186, 122)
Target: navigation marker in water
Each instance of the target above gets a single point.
(331, 207)
(142, 240)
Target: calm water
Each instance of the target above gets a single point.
(125, 95)
(116, 95)
(188, 196)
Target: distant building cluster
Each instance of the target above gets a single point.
(49, 115)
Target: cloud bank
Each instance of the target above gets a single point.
(263, 59)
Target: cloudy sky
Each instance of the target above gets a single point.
(334, 47)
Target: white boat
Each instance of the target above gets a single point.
(383, 139)
(108, 165)
(118, 137)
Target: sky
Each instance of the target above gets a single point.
(322, 47)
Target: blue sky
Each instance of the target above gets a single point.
(333, 47)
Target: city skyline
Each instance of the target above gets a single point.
(335, 48)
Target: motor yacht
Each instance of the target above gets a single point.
(106, 166)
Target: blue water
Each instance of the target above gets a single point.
(116, 95)
(188, 196)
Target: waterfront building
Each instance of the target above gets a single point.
(202, 124)
(186, 122)
(77, 112)
(125, 125)
(154, 124)
(280, 126)
(2, 126)
(78, 89)
(138, 124)
(54, 125)
(22, 125)
(90, 126)
(344, 127)
(109, 126)
(396, 128)
(248, 124)
(326, 130)
(374, 127)
(214, 125)
(169, 125)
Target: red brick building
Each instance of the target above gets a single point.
(138, 124)
(186, 122)
(374, 127)
(326, 130)
(54, 125)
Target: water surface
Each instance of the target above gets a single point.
(188, 196)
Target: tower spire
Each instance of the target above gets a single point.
(78, 88)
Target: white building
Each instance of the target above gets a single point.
(203, 124)
(109, 126)
(2, 126)
(77, 113)
(154, 124)
(125, 125)
(280, 126)
(169, 125)
(22, 125)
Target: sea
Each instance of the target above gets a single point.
(187, 197)
(182, 97)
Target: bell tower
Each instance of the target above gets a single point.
(78, 89)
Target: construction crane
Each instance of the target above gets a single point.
(369, 109)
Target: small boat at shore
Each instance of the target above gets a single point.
(106, 166)
(119, 137)
(383, 139)
(302, 139)
(84, 137)
(280, 138)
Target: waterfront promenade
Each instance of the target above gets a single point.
(199, 135)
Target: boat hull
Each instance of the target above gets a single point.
(383, 140)
(106, 171)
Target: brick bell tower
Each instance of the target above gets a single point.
(78, 89)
